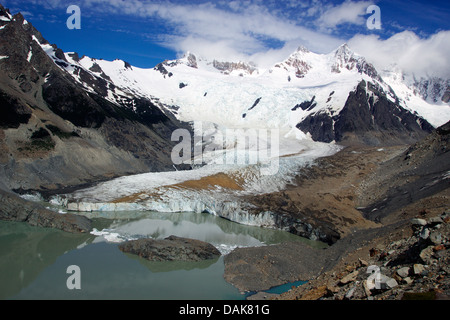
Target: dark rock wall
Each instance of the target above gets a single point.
(368, 118)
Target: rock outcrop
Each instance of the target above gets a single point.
(171, 249)
(14, 208)
(371, 117)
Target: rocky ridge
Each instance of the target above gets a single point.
(58, 126)
(433, 89)
(369, 117)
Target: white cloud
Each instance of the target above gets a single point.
(243, 32)
(210, 31)
(247, 30)
(429, 56)
(347, 12)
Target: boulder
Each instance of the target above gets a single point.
(418, 222)
(350, 293)
(316, 293)
(434, 221)
(391, 283)
(403, 272)
(171, 249)
(408, 280)
(349, 278)
(427, 255)
(436, 237)
(380, 282)
(418, 269)
(425, 233)
(363, 263)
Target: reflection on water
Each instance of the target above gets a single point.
(165, 266)
(220, 232)
(33, 261)
(26, 251)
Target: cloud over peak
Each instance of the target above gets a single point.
(268, 31)
(412, 54)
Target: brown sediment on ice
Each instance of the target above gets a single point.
(213, 182)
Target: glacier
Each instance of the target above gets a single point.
(183, 191)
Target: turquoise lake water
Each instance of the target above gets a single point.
(34, 261)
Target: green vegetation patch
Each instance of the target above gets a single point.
(41, 140)
(60, 133)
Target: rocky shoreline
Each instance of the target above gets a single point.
(14, 208)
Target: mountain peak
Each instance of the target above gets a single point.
(302, 49)
(5, 15)
(298, 62)
(19, 17)
(191, 60)
(345, 58)
(230, 67)
(344, 51)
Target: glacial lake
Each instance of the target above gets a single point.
(34, 261)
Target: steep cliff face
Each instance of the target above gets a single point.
(433, 89)
(371, 117)
(55, 131)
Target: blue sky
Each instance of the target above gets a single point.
(145, 33)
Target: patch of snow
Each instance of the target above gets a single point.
(30, 54)
(110, 236)
(35, 197)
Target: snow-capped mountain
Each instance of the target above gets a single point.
(307, 91)
(307, 94)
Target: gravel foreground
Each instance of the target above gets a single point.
(390, 267)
